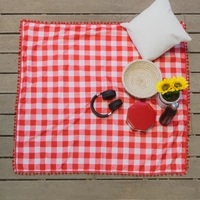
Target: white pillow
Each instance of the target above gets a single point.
(156, 30)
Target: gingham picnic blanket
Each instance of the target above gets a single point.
(62, 66)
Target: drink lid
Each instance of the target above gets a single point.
(174, 105)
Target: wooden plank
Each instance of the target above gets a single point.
(95, 6)
(194, 60)
(6, 124)
(73, 6)
(192, 22)
(194, 45)
(6, 147)
(195, 129)
(13, 21)
(7, 103)
(8, 63)
(7, 173)
(194, 149)
(10, 43)
(192, 172)
(194, 82)
(194, 103)
(185, 6)
(7, 144)
(8, 83)
(105, 189)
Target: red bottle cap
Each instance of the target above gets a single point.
(141, 116)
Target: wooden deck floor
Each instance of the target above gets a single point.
(82, 186)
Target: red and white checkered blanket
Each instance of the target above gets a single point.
(62, 66)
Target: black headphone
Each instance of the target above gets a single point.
(106, 95)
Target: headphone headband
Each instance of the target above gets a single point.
(106, 95)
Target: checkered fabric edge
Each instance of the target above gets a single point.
(98, 172)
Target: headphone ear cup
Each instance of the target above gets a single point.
(108, 94)
(114, 105)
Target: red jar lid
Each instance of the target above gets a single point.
(141, 116)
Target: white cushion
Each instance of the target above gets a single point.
(156, 30)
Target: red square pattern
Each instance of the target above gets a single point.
(62, 66)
